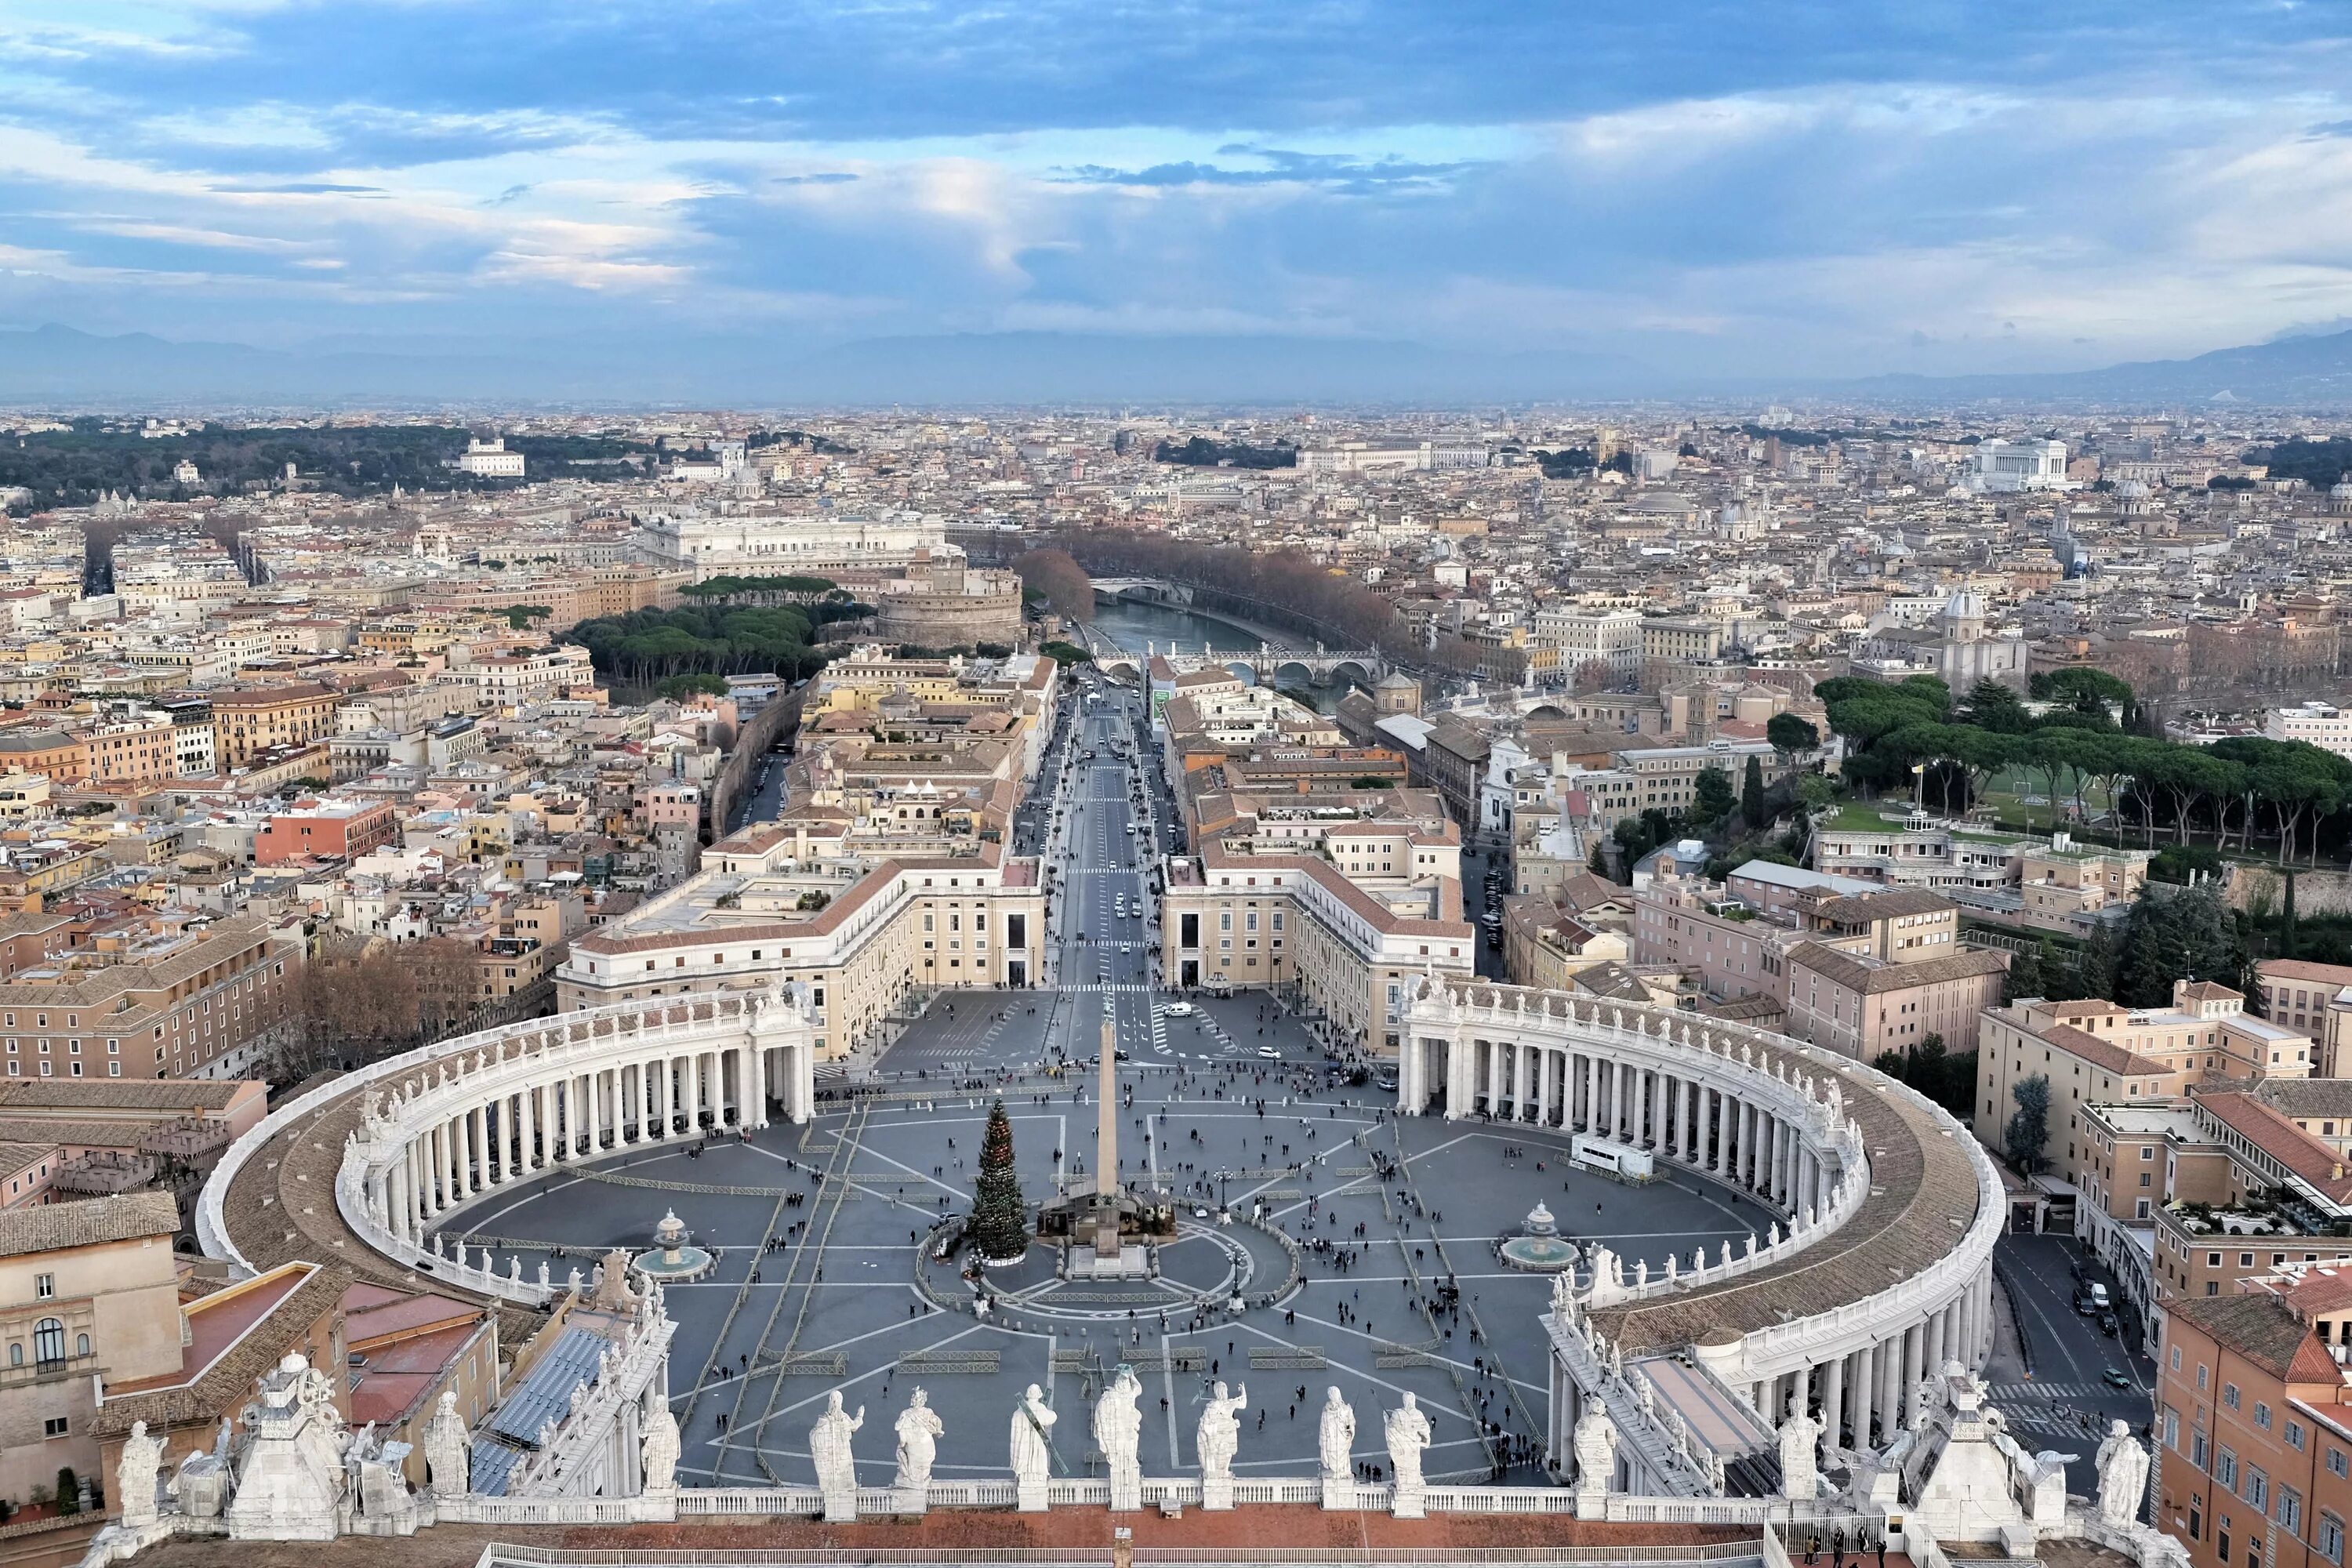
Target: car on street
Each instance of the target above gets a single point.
(2115, 1377)
(1179, 1009)
(1268, 1051)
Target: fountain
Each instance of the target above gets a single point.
(1537, 1248)
(673, 1259)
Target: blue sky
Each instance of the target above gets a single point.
(1796, 186)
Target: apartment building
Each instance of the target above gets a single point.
(2312, 999)
(2253, 1434)
(195, 999)
(248, 723)
(324, 829)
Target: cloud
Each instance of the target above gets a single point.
(1333, 171)
(1846, 186)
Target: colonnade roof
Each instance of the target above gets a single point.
(1923, 1197)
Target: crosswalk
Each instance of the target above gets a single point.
(2046, 1393)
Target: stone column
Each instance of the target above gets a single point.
(1915, 1350)
(1546, 1086)
(693, 1092)
(1865, 1388)
(1833, 1401)
(1592, 1094)
(527, 1129)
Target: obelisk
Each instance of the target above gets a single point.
(1107, 1142)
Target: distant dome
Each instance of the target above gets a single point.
(2342, 489)
(2132, 490)
(1964, 606)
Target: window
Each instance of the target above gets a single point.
(2331, 1538)
(49, 1342)
(2230, 1395)
(2337, 1463)
(2295, 1434)
(45, 1286)
(2257, 1490)
(2225, 1469)
(2290, 1510)
(53, 1426)
(2262, 1416)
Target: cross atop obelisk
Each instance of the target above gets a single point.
(1106, 1116)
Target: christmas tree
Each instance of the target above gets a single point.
(999, 1222)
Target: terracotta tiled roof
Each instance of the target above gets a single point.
(227, 1380)
(1860, 974)
(2264, 1329)
(2099, 1053)
(1922, 1199)
(2303, 970)
(122, 1217)
(2281, 1140)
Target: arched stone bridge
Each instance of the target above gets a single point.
(1266, 664)
(1143, 590)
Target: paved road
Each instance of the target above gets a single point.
(765, 802)
(1229, 1100)
(2063, 1402)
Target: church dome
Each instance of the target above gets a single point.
(1964, 606)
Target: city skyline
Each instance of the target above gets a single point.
(1841, 192)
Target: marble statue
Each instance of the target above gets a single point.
(134, 1476)
(1336, 1438)
(1407, 1432)
(659, 1447)
(1594, 1441)
(919, 1429)
(1032, 1421)
(2122, 1463)
(1118, 1433)
(1799, 1465)
(449, 1449)
(1563, 1297)
(1218, 1438)
(836, 1467)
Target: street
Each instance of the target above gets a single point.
(2055, 1393)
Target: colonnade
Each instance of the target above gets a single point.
(1760, 1112)
(1692, 1117)
(573, 1111)
(1870, 1389)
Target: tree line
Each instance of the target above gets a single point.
(1283, 589)
(647, 646)
(2286, 791)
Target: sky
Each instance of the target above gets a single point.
(1730, 189)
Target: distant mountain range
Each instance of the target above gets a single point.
(2306, 372)
(58, 367)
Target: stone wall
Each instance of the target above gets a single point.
(2264, 888)
(780, 717)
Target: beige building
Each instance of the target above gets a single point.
(1346, 917)
(2099, 1052)
(865, 935)
(89, 1293)
(2314, 999)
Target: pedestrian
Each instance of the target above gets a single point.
(1837, 1547)
(1813, 1547)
